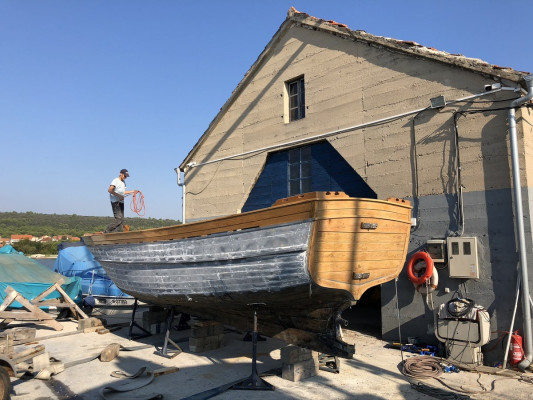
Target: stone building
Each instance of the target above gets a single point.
(328, 108)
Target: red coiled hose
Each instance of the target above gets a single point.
(137, 203)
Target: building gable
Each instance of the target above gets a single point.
(342, 32)
(351, 87)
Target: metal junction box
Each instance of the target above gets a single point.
(437, 250)
(462, 257)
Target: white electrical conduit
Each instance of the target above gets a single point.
(508, 341)
(526, 311)
(182, 185)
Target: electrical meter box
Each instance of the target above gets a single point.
(462, 257)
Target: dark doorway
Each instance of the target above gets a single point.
(365, 316)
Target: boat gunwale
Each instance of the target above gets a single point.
(311, 199)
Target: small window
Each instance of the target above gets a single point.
(299, 171)
(455, 248)
(295, 91)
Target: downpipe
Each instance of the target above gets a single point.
(526, 311)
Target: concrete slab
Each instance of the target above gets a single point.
(373, 374)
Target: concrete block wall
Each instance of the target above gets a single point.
(349, 83)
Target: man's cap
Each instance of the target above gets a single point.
(125, 172)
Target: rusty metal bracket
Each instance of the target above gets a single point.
(328, 363)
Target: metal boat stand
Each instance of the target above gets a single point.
(135, 324)
(254, 381)
(165, 352)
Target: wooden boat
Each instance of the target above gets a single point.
(305, 260)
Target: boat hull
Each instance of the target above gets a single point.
(302, 261)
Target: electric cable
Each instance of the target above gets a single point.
(422, 367)
(137, 203)
(462, 307)
(458, 183)
(414, 160)
(436, 392)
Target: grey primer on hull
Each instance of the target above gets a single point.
(221, 266)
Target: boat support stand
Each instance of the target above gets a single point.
(165, 352)
(135, 324)
(254, 381)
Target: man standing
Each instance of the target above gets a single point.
(117, 191)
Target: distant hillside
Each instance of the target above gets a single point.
(30, 223)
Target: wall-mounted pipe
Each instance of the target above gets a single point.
(526, 311)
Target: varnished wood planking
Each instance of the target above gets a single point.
(363, 237)
(335, 256)
(343, 247)
(345, 277)
(363, 207)
(354, 265)
(355, 246)
(355, 225)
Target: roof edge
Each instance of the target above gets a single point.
(409, 47)
(295, 17)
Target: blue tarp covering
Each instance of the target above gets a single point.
(78, 261)
(30, 278)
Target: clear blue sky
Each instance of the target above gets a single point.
(90, 87)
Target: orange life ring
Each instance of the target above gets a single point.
(420, 256)
(430, 285)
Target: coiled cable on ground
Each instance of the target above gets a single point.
(461, 307)
(425, 367)
(422, 367)
(428, 367)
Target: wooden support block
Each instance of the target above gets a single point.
(87, 324)
(154, 317)
(199, 345)
(292, 354)
(300, 370)
(202, 329)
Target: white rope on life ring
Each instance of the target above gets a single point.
(430, 285)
